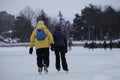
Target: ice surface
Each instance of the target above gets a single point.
(84, 64)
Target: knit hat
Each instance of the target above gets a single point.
(57, 27)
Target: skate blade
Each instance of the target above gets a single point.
(40, 73)
(46, 72)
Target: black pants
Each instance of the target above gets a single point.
(60, 53)
(42, 57)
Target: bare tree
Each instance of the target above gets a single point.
(41, 15)
(29, 14)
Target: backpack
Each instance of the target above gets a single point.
(40, 34)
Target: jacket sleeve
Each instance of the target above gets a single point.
(65, 40)
(32, 39)
(50, 37)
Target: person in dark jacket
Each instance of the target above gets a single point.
(60, 48)
(92, 45)
(111, 44)
(105, 45)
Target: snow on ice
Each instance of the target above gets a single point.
(83, 63)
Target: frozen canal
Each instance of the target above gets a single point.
(84, 64)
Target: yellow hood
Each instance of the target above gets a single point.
(41, 25)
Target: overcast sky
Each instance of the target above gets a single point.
(68, 7)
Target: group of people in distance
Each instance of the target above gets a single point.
(104, 45)
(56, 41)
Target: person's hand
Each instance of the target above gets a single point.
(52, 47)
(30, 50)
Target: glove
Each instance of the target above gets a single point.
(52, 47)
(30, 50)
(66, 49)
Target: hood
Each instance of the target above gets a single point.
(41, 25)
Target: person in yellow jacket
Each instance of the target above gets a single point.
(42, 46)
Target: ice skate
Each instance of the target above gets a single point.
(66, 70)
(58, 70)
(45, 69)
(40, 70)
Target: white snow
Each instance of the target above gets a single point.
(84, 64)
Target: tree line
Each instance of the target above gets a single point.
(96, 23)
(21, 26)
(93, 23)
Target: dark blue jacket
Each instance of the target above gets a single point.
(59, 38)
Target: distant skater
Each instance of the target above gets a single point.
(105, 45)
(70, 44)
(92, 45)
(111, 45)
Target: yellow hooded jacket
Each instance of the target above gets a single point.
(41, 43)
